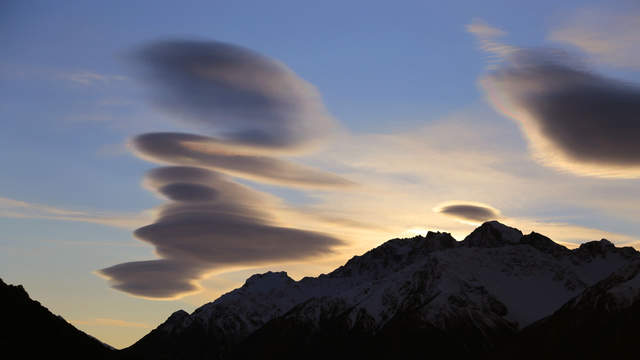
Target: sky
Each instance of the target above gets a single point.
(156, 154)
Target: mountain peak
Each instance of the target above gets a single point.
(492, 234)
(544, 244)
(596, 247)
(174, 320)
(178, 316)
(268, 281)
(447, 290)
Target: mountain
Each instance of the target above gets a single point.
(410, 298)
(602, 322)
(30, 331)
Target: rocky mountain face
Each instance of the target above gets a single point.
(30, 331)
(416, 298)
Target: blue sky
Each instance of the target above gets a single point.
(403, 81)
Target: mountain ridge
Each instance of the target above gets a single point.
(496, 294)
(470, 294)
(32, 331)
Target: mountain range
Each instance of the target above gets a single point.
(496, 294)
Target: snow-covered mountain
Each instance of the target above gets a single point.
(430, 292)
(601, 322)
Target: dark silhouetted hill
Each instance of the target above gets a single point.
(31, 331)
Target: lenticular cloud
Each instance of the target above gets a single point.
(469, 212)
(246, 98)
(211, 222)
(574, 119)
(248, 110)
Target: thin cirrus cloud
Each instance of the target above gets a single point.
(487, 37)
(468, 212)
(248, 110)
(575, 120)
(88, 78)
(607, 36)
(11, 208)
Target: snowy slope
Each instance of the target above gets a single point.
(602, 322)
(495, 278)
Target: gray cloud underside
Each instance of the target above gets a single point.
(154, 278)
(475, 213)
(235, 92)
(590, 118)
(211, 153)
(253, 109)
(212, 222)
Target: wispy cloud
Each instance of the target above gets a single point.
(482, 29)
(487, 37)
(10, 208)
(608, 36)
(87, 78)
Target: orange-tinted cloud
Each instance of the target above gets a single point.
(469, 212)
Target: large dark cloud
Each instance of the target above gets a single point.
(573, 118)
(235, 92)
(475, 213)
(211, 222)
(250, 109)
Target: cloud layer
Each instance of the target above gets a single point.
(210, 222)
(573, 118)
(486, 36)
(212, 153)
(235, 92)
(609, 37)
(249, 110)
(155, 279)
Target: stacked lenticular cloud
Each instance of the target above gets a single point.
(249, 111)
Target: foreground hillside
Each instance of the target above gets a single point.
(498, 294)
(30, 331)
